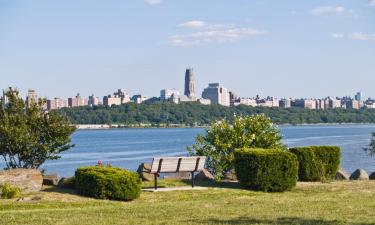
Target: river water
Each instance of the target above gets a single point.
(127, 148)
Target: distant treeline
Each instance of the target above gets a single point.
(195, 114)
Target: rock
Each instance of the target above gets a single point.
(230, 175)
(51, 179)
(342, 175)
(29, 180)
(204, 175)
(372, 176)
(66, 183)
(359, 175)
(143, 171)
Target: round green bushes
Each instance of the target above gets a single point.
(108, 183)
(266, 169)
(317, 163)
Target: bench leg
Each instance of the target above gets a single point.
(155, 181)
(192, 179)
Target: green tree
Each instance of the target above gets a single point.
(222, 138)
(28, 135)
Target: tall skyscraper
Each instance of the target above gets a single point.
(189, 83)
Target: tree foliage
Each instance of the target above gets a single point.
(28, 135)
(222, 138)
(192, 113)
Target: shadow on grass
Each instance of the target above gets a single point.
(216, 184)
(171, 183)
(279, 221)
(60, 190)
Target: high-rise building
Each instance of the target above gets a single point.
(217, 93)
(56, 103)
(111, 100)
(125, 97)
(358, 96)
(4, 100)
(32, 97)
(233, 98)
(93, 100)
(166, 94)
(189, 84)
(285, 103)
(78, 100)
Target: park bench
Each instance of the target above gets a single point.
(175, 165)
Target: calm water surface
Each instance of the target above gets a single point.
(129, 147)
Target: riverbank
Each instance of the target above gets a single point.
(348, 202)
(139, 126)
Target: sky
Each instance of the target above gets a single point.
(286, 48)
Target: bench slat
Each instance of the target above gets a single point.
(170, 164)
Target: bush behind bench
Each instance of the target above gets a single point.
(266, 169)
(108, 183)
(317, 163)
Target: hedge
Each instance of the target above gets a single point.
(108, 183)
(317, 163)
(266, 169)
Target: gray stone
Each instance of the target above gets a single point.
(144, 172)
(29, 180)
(359, 174)
(204, 175)
(342, 175)
(230, 175)
(372, 176)
(51, 179)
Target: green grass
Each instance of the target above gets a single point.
(309, 203)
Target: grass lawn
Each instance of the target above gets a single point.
(309, 203)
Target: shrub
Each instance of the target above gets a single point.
(266, 170)
(224, 137)
(108, 183)
(9, 191)
(317, 163)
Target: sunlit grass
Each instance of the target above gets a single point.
(309, 203)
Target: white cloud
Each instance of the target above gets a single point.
(372, 2)
(193, 24)
(324, 10)
(214, 36)
(355, 36)
(338, 35)
(153, 2)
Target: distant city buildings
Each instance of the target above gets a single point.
(167, 94)
(217, 94)
(56, 103)
(93, 100)
(77, 101)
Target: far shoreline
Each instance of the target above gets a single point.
(171, 126)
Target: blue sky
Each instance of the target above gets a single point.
(278, 48)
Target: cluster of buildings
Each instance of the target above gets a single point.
(214, 93)
(118, 98)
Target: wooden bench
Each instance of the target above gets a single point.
(175, 165)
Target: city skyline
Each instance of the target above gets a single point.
(289, 48)
(214, 93)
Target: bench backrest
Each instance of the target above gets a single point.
(178, 164)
